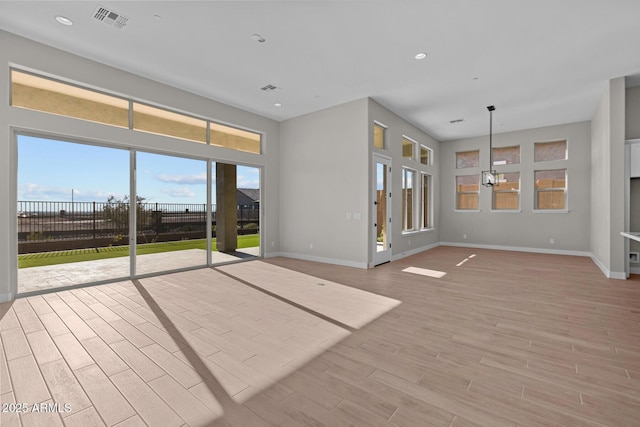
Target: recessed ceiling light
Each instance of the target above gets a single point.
(421, 55)
(277, 104)
(63, 20)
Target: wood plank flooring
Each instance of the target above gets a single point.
(503, 339)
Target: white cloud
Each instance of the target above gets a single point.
(178, 192)
(183, 179)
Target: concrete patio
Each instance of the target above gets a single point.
(62, 275)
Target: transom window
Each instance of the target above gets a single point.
(425, 155)
(553, 150)
(408, 148)
(378, 136)
(55, 97)
(468, 159)
(506, 155)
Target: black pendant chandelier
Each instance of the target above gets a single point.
(490, 177)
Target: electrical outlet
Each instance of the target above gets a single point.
(464, 236)
(552, 241)
(310, 245)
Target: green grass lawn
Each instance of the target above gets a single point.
(63, 257)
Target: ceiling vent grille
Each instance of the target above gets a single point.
(268, 88)
(110, 17)
(456, 121)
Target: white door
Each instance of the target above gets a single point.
(381, 211)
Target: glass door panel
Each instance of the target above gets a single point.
(381, 217)
(72, 213)
(170, 213)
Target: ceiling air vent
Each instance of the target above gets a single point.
(268, 88)
(109, 17)
(456, 121)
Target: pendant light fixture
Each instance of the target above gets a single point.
(490, 177)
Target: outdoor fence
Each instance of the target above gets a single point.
(44, 221)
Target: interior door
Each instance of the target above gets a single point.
(381, 212)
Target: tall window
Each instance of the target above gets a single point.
(426, 201)
(468, 159)
(506, 195)
(547, 151)
(408, 148)
(408, 181)
(551, 189)
(378, 135)
(467, 191)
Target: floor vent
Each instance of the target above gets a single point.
(110, 17)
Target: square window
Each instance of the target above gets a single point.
(425, 155)
(378, 135)
(468, 159)
(408, 148)
(551, 189)
(547, 151)
(506, 155)
(506, 195)
(467, 192)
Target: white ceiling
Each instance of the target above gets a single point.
(540, 62)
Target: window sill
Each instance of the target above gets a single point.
(506, 210)
(551, 211)
(408, 233)
(466, 210)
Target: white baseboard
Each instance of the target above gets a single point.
(608, 273)
(518, 249)
(324, 260)
(414, 251)
(634, 270)
(6, 297)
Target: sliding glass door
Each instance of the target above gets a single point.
(72, 213)
(171, 213)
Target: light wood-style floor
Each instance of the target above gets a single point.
(504, 338)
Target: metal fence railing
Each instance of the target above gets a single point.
(46, 221)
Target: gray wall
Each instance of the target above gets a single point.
(17, 51)
(632, 113)
(406, 243)
(525, 229)
(608, 180)
(323, 177)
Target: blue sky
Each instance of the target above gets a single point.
(49, 170)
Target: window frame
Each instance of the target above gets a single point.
(384, 135)
(493, 155)
(426, 202)
(566, 150)
(477, 193)
(476, 150)
(496, 189)
(406, 215)
(413, 143)
(549, 189)
(429, 151)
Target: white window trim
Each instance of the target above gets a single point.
(430, 201)
(405, 169)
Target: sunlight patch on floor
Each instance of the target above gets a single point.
(425, 272)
